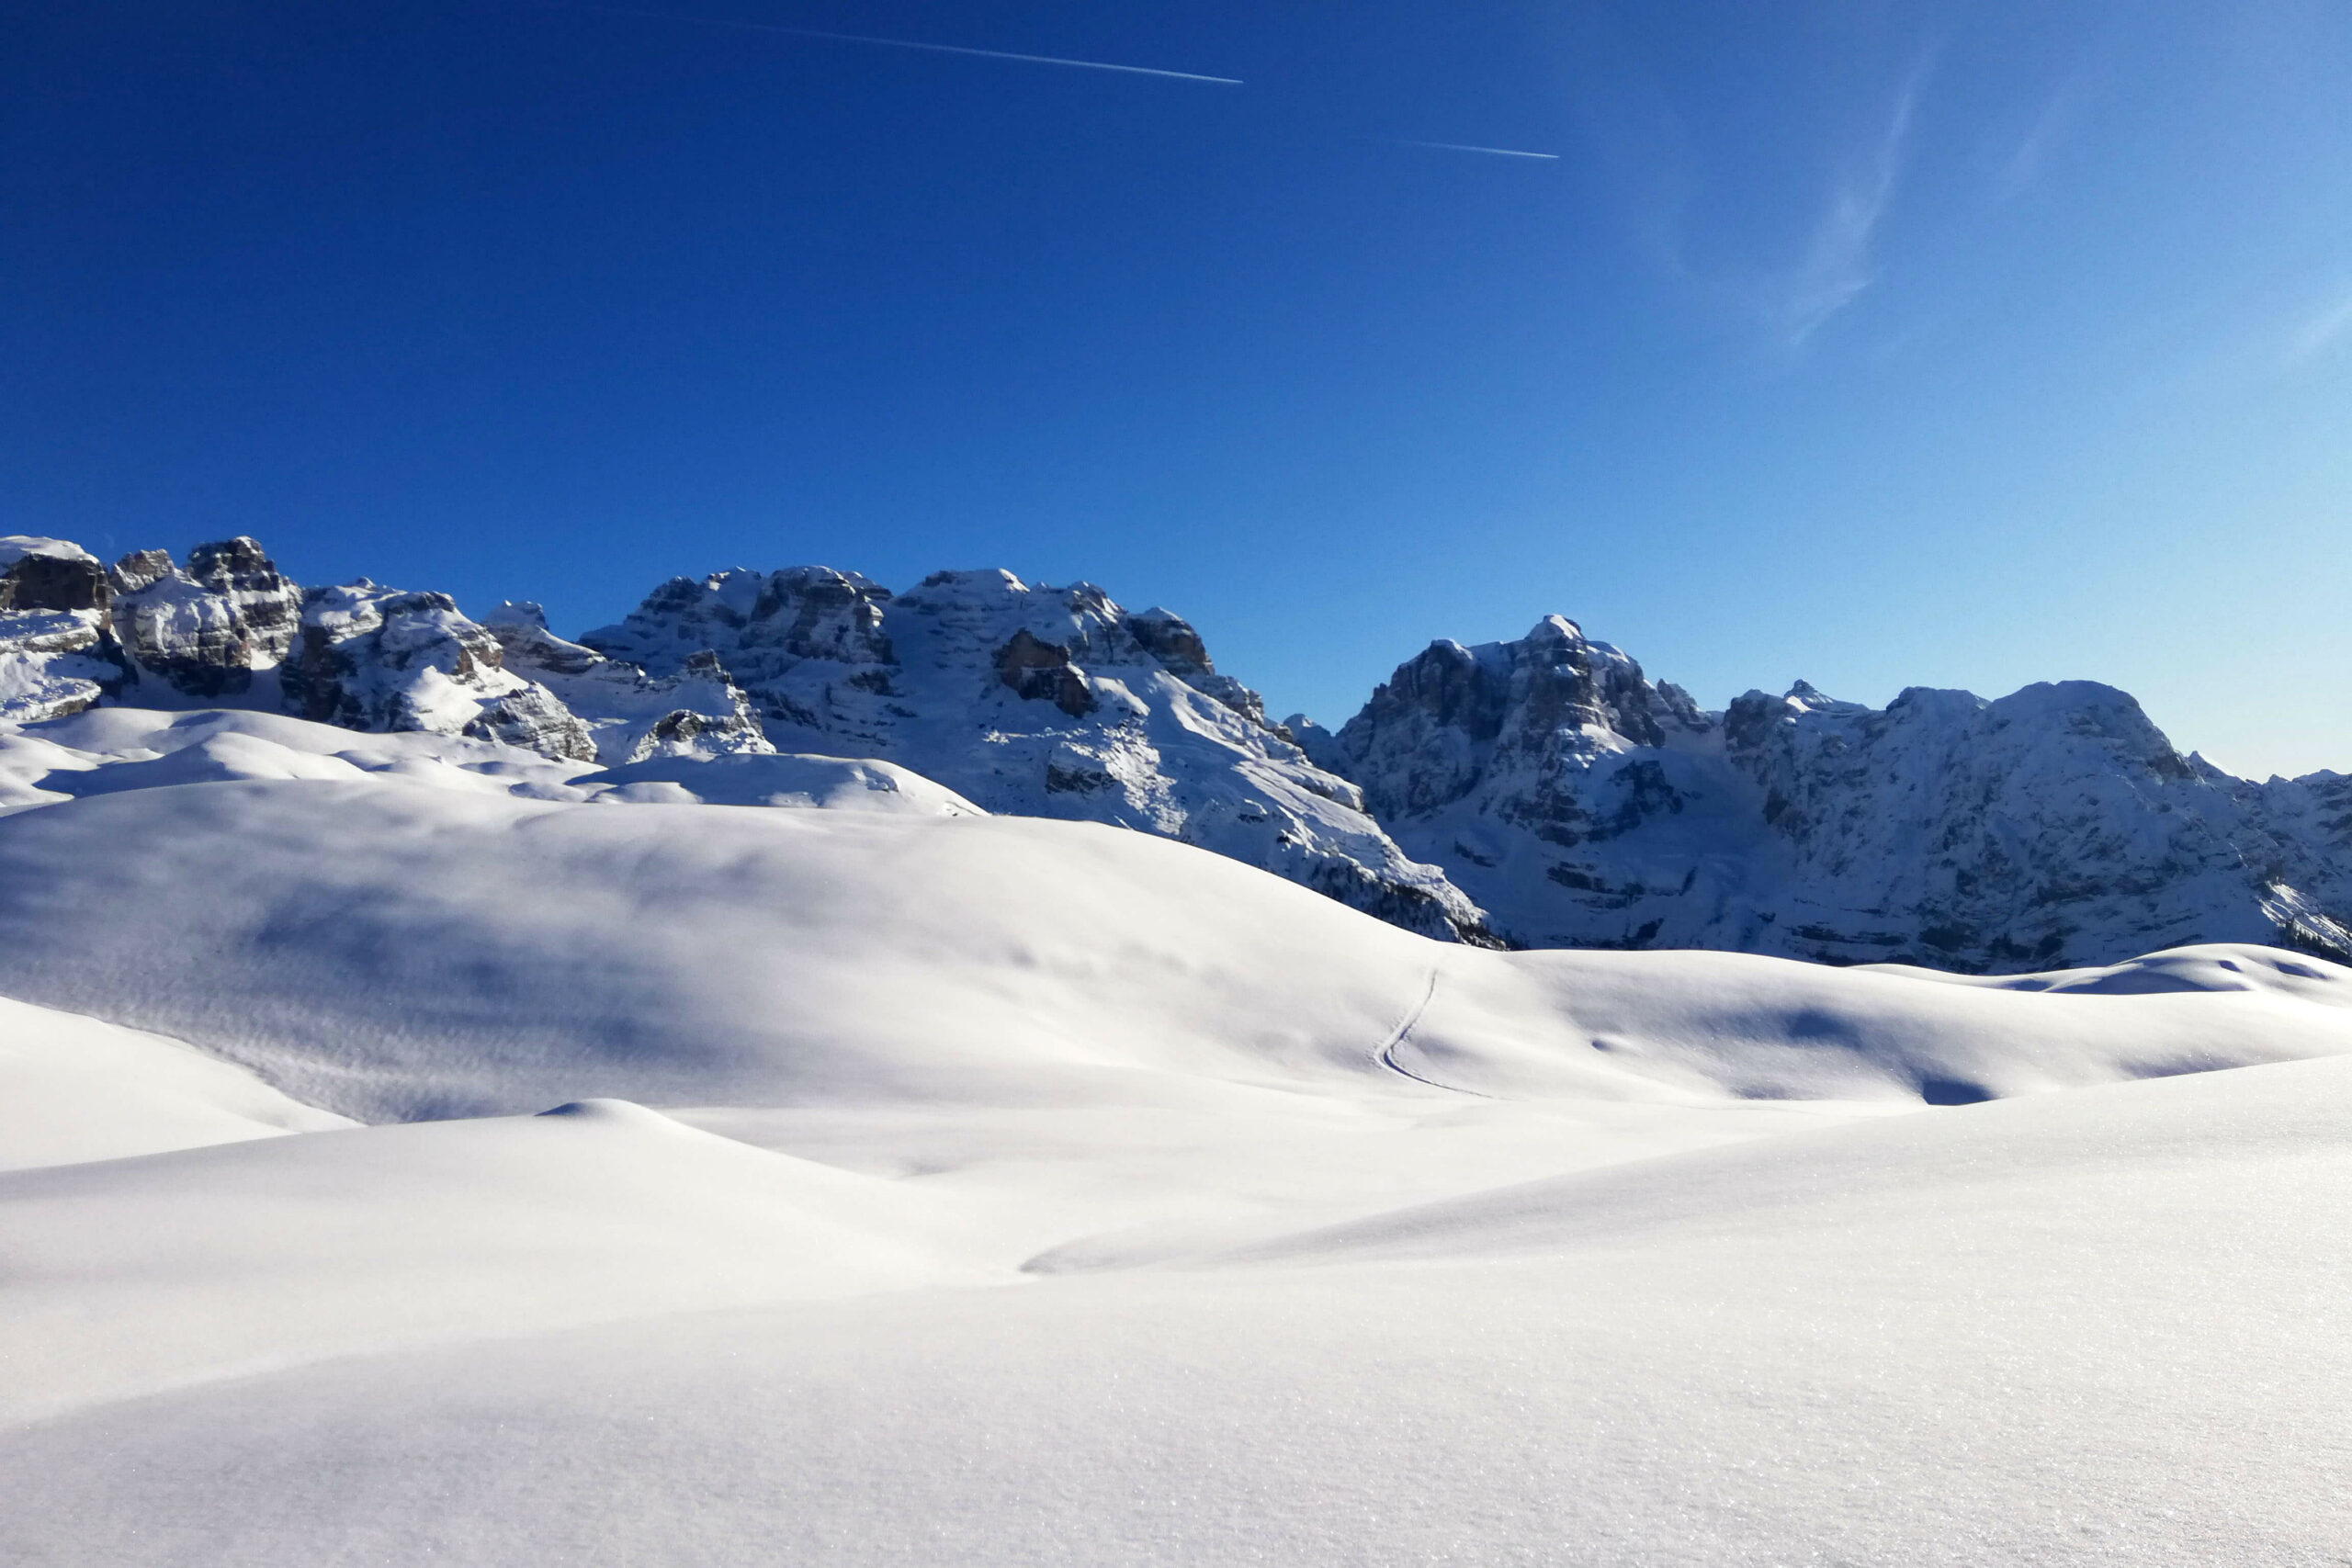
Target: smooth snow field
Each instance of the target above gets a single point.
(415, 1151)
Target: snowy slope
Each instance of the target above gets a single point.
(395, 944)
(2099, 1327)
(73, 1089)
(1038, 1191)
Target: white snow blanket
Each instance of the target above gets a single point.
(1024, 1191)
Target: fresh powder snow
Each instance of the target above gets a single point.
(417, 1146)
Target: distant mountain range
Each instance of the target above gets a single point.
(1542, 792)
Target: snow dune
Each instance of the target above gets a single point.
(73, 1089)
(2100, 1327)
(390, 951)
(128, 1276)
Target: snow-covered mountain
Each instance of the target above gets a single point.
(1584, 805)
(992, 1190)
(1034, 700)
(1543, 792)
(1040, 702)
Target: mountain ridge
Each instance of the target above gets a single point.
(1538, 792)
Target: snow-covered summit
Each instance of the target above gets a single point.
(1584, 805)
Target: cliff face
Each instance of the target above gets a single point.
(57, 654)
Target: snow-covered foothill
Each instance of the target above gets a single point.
(838, 784)
(364, 944)
(104, 750)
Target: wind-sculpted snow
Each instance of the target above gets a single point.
(2093, 1328)
(1583, 805)
(73, 1089)
(392, 936)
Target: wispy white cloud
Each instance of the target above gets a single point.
(2020, 168)
(2325, 329)
(1836, 265)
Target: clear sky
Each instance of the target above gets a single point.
(1879, 345)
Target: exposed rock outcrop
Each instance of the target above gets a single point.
(56, 655)
(208, 631)
(376, 658)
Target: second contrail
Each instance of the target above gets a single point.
(926, 48)
(1493, 152)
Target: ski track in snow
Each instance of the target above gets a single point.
(1386, 1055)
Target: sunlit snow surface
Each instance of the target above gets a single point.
(1038, 1192)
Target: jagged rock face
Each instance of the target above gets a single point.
(1536, 716)
(55, 654)
(631, 717)
(1566, 793)
(376, 658)
(1583, 805)
(1042, 701)
(205, 632)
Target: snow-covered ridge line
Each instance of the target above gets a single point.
(1035, 701)
(1543, 792)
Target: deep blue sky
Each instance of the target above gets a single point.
(1875, 343)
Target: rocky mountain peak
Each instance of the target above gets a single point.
(1454, 718)
(1544, 788)
(205, 632)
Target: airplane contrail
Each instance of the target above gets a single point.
(926, 48)
(1496, 152)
